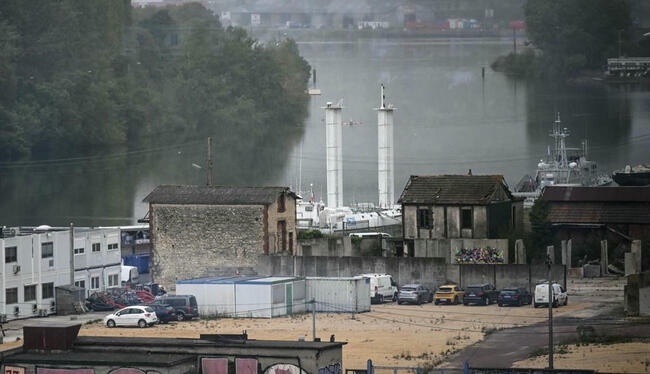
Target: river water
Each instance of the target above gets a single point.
(449, 119)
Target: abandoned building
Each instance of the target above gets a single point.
(621, 211)
(458, 206)
(197, 230)
(56, 348)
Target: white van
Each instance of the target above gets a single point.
(560, 296)
(382, 287)
(129, 274)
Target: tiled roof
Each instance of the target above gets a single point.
(215, 195)
(599, 212)
(455, 189)
(603, 194)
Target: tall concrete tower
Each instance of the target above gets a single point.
(385, 153)
(334, 154)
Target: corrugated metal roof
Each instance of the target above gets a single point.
(599, 212)
(238, 280)
(216, 195)
(601, 194)
(454, 189)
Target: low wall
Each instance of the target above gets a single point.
(341, 246)
(446, 248)
(431, 272)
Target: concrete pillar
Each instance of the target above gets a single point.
(564, 253)
(520, 252)
(604, 262)
(630, 264)
(550, 251)
(636, 250)
(569, 263)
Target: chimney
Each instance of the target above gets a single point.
(386, 164)
(50, 336)
(334, 154)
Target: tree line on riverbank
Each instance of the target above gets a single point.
(80, 77)
(570, 37)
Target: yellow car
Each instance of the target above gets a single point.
(450, 293)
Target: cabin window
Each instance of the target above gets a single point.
(47, 250)
(47, 290)
(30, 293)
(425, 219)
(112, 280)
(466, 219)
(79, 251)
(80, 283)
(11, 254)
(281, 203)
(112, 246)
(97, 247)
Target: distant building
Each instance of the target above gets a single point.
(51, 349)
(458, 206)
(622, 211)
(37, 260)
(198, 230)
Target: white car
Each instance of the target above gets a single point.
(560, 296)
(141, 316)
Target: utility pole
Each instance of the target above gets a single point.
(209, 181)
(71, 254)
(550, 314)
(313, 317)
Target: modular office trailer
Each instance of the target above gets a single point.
(339, 295)
(259, 297)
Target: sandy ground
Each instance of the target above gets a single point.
(614, 358)
(402, 335)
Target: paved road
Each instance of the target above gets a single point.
(502, 348)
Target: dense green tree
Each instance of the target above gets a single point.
(577, 34)
(78, 77)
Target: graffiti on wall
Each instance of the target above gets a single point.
(284, 369)
(331, 369)
(14, 370)
(64, 371)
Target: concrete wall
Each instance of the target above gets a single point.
(446, 248)
(637, 294)
(326, 247)
(190, 239)
(431, 272)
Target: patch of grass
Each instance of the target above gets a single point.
(90, 322)
(560, 350)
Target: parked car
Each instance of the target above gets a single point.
(514, 296)
(449, 293)
(560, 296)
(141, 316)
(382, 287)
(165, 313)
(481, 294)
(185, 305)
(414, 293)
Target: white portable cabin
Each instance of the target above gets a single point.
(243, 296)
(339, 295)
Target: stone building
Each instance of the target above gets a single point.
(199, 231)
(459, 206)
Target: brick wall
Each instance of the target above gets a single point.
(189, 240)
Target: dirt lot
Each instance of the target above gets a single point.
(614, 358)
(404, 335)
